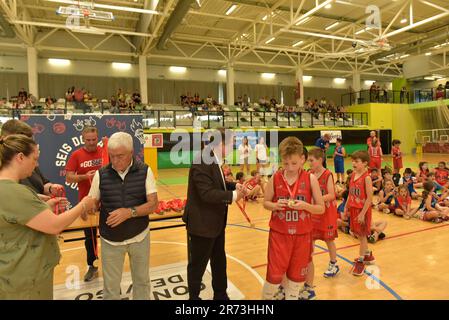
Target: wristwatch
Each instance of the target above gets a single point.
(133, 212)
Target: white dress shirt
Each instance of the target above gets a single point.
(219, 160)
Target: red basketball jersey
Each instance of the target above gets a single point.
(328, 220)
(441, 176)
(289, 221)
(404, 201)
(396, 152)
(423, 174)
(374, 152)
(251, 183)
(357, 191)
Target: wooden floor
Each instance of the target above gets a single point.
(411, 263)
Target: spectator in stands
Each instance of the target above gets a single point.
(114, 105)
(373, 92)
(245, 100)
(136, 97)
(403, 95)
(78, 96)
(273, 102)
(22, 94)
(446, 89)
(239, 101)
(440, 92)
(69, 95)
(49, 102)
(209, 100)
(31, 101)
(352, 95)
(323, 102)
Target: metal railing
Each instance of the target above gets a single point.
(390, 96)
(381, 96)
(212, 119)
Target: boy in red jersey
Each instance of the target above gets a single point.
(358, 208)
(397, 156)
(375, 155)
(254, 186)
(442, 174)
(324, 225)
(289, 194)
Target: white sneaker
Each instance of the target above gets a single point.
(332, 270)
(307, 293)
(280, 294)
(386, 210)
(376, 207)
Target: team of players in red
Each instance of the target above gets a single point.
(303, 206)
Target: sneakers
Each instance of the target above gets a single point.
(91, 274)
(307, 293)
(369, 259)
(332, 270)
(386, 210)
(358, 268)
(280, 294)
(371, 238)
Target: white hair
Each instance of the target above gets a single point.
(121, 139)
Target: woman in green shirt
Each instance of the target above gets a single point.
(29, 250)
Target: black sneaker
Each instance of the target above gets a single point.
(91, 274)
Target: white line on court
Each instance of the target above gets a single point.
(243, 264)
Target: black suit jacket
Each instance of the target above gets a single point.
(206, 210)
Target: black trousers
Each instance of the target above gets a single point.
(90, 242)
(200, 251)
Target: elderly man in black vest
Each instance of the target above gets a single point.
(126, 190)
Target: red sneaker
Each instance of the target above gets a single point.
(358, 268)
(369, 259)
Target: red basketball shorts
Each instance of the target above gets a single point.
(324, 235)
(358, 228)
(288, 254)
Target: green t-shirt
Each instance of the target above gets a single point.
(27, 256)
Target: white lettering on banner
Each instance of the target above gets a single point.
(168, 282)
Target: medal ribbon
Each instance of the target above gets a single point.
(295, 187)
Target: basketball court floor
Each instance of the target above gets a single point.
(409, 262)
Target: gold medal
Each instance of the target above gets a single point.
(291, 203)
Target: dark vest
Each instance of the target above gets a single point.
(116, 193)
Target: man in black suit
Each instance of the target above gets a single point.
(205, 215)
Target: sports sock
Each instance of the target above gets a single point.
(269, 290)
(292, 290)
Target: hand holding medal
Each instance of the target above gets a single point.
(292, 193)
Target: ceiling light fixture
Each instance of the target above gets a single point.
(121, 66)
(297, 43)
(59, 62)
(267, 75)
(231, 9)
(333, 25)
(269, 40)
(105, 6)
(302, 21)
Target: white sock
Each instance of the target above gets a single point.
(284, 282)
(292, 290)
(269, 290)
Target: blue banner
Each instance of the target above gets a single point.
(59, 135)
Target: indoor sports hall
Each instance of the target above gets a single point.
(339, 75)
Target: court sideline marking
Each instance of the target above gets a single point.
(383, 284)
